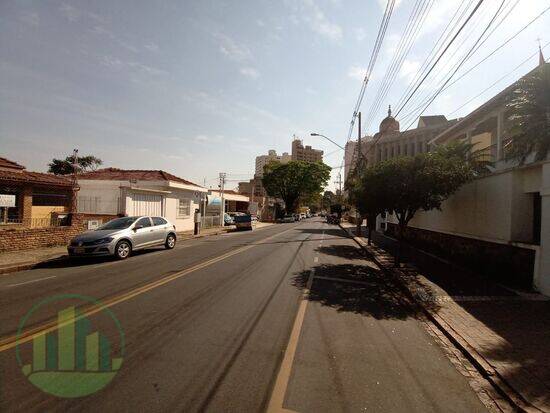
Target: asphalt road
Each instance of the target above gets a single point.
(222, 324)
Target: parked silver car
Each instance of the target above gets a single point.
(121, 236)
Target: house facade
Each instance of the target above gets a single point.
(140, 192)
(32, 199)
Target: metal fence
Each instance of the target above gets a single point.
(210, 221)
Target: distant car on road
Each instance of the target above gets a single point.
(288, 218)
(121, 236)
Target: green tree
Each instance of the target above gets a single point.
(294, 180)
(65, 166)
(367, 193)
(405, 185)
(327, 200)
(529, 116)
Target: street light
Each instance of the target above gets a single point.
(328, 139)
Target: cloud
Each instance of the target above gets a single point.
(307, 11)
(357, 72)
(32, 19)
(130, 65)
(152, 47)
(208, 138)
(233, 50)
(360, 34)
(409, 69)
(250, 72)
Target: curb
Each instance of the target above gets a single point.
(478, 361)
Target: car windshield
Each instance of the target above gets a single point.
(119, 223)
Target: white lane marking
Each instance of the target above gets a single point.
(283, 377)
(316, 259)
(32, 281)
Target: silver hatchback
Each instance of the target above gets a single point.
(121, 236)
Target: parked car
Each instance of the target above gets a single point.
(228, 219)
(243, 221)
(120, 236)
(288, 218)
(297, 217)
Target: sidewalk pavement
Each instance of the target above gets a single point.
(504, 333)
(23, 260)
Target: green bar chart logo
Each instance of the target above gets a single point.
(73, 359)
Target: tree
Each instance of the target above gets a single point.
(366, 193)
(294, 180)
(327, 200)
(529, 116)
(65, 166)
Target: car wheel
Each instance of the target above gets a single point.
(123, 250)
(170, 241)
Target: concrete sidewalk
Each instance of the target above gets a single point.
(27, 259)
(505, 333)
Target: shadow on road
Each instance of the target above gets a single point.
(335, 232)
(359, 289)
(67, 262)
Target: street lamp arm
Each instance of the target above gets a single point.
(328, 139)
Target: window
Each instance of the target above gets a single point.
(159, 221)
(144, 222)
(184, 207)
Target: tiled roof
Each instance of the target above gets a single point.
(115, 174)
(6, 163)
(34, 178)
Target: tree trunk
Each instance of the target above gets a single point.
(359, 220)
(400, 236)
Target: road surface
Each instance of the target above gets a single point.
(291, 317)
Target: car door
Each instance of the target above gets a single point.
(160, 226)
(143, 233)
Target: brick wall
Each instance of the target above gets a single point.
(15, 239)
(503, 263)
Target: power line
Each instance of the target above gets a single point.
(500, 79)
(416, 19)
(479, 3)
(493, 52)
(468, 55)
(427, 98)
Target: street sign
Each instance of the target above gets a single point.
(7, 200)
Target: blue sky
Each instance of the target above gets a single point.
(200, 87)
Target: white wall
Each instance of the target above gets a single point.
(108, 194)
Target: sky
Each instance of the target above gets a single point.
(201, 87)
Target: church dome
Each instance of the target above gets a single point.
(389, 124)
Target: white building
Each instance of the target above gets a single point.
(113, 191)
(498, 224)
(263, 160)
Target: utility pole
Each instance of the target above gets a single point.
(74, 199)
(222, 206)
(358, 216)
(339, 183)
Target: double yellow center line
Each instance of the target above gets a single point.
(28, 335)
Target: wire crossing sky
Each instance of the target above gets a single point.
(198, 88)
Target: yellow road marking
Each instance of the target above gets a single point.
(281, 383)
(283, 377)
(28, 335)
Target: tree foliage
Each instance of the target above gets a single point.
(529, 117)
(295, 180)
(65, 166)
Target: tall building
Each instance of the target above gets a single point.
(305, 153)
(263, 160)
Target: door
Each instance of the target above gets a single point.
(145, 235)
(160, 227)
(147, 204)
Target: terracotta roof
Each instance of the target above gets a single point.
(34, 178)
(115, 174)
(6, 163)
